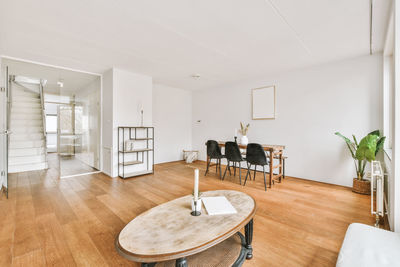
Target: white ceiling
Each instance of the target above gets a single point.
(73, 81)
(226, 41)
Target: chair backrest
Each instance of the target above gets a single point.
(255, 154)
(232, 152)
(213, 150)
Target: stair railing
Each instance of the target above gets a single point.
(9, 100)
(43, 119)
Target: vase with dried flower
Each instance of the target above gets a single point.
(243, 131)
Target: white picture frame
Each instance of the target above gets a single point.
(263, 103)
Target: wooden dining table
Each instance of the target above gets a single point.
(274, 152)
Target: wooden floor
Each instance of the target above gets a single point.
(74, 221)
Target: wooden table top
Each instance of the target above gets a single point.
(266, 147)
(168, 231)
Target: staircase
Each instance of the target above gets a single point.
(27, 147)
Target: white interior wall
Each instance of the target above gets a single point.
(395, 160)
(129, 91)
(172, 120)
(107, 122)
(312, 104)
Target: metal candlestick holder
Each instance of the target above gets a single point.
(236, 139)
(195, 212)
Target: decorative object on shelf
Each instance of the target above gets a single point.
(135, 151)
(129, 145)
(141, 113)
(196, 201)
(190, 155)
(263, 103)
(363, 152)
(243, 131)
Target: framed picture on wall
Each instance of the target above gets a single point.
(263, 103)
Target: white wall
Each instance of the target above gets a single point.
(123, 92)
(312, 104)
(172, 120)
(107, 122)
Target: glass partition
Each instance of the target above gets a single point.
(79, 131)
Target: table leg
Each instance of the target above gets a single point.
(271, 166)
(182, 262)
(148, 264)
(248, 231)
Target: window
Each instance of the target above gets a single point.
(388, 89)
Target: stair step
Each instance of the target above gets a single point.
(25, 93)
(26, 137)
(23, 116)
(27, 167)
(26, 144)
(19, 129)
(24, 99)
(20, 110)
(26, 123)
(26, 104)
(23, 152)
(26, 160)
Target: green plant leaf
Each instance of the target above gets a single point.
(349, 144)
(379, 144)
(355, 140)
(367, 147)
(376, 132)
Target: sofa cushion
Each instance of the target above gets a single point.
(365, 246)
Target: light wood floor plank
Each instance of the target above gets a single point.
(74, 221)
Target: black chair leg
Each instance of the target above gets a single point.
(216, 166)
(255, 170)
(247, 174)
(265, 179)
(219, 163)
(208, 165)
(240, 173)
(283, 169)
(234, 168)
(227, 167)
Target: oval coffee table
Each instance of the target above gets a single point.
(168, 231)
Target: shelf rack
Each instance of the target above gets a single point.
(141, 158)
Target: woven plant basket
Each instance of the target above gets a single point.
(362, 186)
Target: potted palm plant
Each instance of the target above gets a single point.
(363, 152)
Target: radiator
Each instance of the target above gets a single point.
(377, 187)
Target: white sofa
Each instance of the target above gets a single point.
(367, 246)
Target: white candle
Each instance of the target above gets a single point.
(235, 132)
(196, 184)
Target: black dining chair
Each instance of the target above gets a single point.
(214, 152)
(255, 155)
(232, 154)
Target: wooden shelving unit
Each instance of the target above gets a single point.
(138, 160)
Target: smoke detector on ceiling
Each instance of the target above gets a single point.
(196, 76)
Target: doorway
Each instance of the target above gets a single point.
(71, 118)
